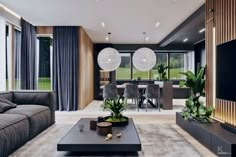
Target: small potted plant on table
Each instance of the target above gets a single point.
(116, 106)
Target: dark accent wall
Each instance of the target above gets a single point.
(155, 47)
(200, 54)
(97, 49)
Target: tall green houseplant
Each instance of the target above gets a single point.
(162, 72)
(194, 108)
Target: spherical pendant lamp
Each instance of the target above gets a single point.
(144, 59)
(109, 59)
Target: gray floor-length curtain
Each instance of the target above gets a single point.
(65, 67)
(28, 55)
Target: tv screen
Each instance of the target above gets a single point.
(226, 71)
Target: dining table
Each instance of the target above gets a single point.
(142, 88)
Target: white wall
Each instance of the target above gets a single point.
(2, 55)
(9, 17)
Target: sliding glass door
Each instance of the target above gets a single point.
(44, 58)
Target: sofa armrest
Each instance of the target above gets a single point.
(45, 98)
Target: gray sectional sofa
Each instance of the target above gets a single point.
(34, 113)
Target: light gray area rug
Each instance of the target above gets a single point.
(158, 140)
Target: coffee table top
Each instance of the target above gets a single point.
(89, 140)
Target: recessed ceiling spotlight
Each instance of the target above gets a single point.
(202, 30)
(103, 24)
(185, 40)
(147, 38)
(157, 24)
(107, 38)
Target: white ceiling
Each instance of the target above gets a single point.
(125, 19)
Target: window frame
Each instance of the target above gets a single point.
(150, 71)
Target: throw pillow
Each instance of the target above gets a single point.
(6, 105)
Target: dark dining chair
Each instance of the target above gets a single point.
(131, 92)
(109, 91)
(152, 92)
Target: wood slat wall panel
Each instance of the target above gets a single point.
(224, 21)
(86, 70)
(209, 50)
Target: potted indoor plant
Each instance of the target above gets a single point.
(116, 106)
(161, 74)
(195, 109)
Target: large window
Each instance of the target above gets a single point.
(17, 58)
(176, 64)
(143, 75)
(161, 58)
(124, 71)
(8, 56)
(44, 55)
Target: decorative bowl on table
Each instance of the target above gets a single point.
(116, 122)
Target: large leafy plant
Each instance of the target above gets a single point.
(195, 81)
(195, 109)
(116, 106)
(162, 72)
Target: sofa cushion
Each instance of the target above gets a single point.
(6, 105)
(39, 117)
(9, 119)
(27, 110)
(7, 95)
(38, 98)
(14, 132)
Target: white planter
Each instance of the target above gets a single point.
(160, 83)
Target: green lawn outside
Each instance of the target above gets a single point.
(43, 83)
(175, 73)
(124, 73)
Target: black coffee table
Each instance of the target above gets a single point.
(89, 141)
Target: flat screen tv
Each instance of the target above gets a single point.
(226, 71)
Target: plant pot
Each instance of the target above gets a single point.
(116, 123)
(160, 83)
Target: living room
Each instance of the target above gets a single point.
(111, 78)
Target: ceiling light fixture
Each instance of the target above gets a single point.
(144, 59)
(147, 38)
(103, 24)
(108, 37)
(157, 24)
(185, 40)
(109, 59)
(10, 11)
(202, 30)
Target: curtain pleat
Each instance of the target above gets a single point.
(65, 67)
(28, 56)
